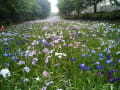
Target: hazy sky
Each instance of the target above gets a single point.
(54, 5)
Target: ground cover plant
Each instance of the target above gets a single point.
(60, 55)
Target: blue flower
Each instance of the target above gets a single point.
(12, 39)
(108, 61)
(5, 55)
(108, 56)
(73, 59)
(5, 64)
(101, 55)
(13, 58)
(6, 49)
(89, 69)
(17, 59)
(22, 41)
(11, 54)
(111, 63)
(5, 44)
(90, 55)
(100, 58)
(17, 42)
(93, 51)
(99, 67)
(45, 43)
(83, 55)
(82, 66)
(41, 40)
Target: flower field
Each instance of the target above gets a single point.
(60, 55)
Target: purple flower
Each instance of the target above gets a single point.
(100, 73)
(110, 76)
(89, 69)
(82, 66)
(17, 42)
(5, 64)
(45, 43)
(26, 80)
(12, 39)
(114, 70)
(68, 45)
(45, 51)
(83, 55)
(58, 64)
(41, 40)
(84, 41)
(6, 49)
(5, 44)
(44, 88)
(21, 62)
(22, 41)
(73, 59)
(34, 61)
(45, 73)
(112, 80)
(79, 34)
(111, 63)
(11, 54)
(108, 56)
(118, 61)
(17, 59)
(49, 83)
(99, 67)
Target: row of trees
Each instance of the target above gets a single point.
(68, 6)
(19, 10)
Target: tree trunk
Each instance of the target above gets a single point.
(95, 6)
(78, 12)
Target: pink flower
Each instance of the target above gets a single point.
(45, 73)
(47, 59)
(45, 51)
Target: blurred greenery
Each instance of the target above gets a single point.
(115, 15)
(75, 7)
(12, 11)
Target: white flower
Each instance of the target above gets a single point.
(59, 56)
(37, 79)
(21, 62)
(117, 53)
(5, 73)
(27, 69)
(26, 80)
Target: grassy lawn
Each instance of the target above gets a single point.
(61, 55)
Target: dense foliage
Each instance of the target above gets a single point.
(19, 10)
(67, 7)
(115, 15)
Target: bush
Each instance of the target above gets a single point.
(115, 15)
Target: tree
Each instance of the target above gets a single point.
(65, 7)
(20, 10)
(94, 3)
(115, 2)
(79, 5)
